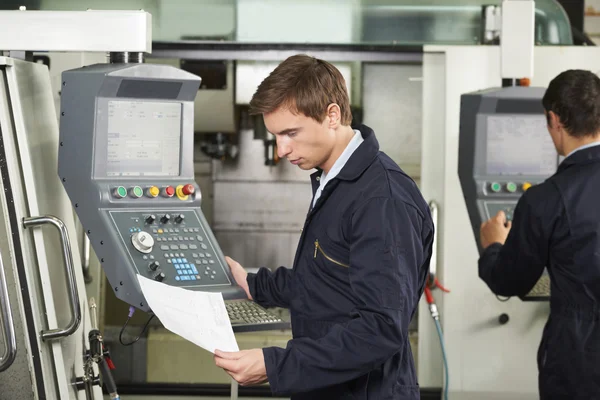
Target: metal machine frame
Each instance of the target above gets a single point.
(46, 329)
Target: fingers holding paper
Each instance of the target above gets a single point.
(247, 367)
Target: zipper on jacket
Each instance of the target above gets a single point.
(320, 249)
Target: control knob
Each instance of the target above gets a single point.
(154, 265)
(165, 218)
(150, 219)
(159, 277)
(142, 241)
(179, 219)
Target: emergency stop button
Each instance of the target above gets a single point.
(188, 189)
(183, 191)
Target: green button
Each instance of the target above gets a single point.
(495, 187)
(511, 187)
(137, 191)
(121, 192)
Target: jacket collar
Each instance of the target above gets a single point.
(583, 156)
(360, 160)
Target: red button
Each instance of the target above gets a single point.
(169, 191)
(188, 189)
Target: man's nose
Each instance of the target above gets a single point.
(283, 149)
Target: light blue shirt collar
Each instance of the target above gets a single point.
(585, 146)
(356, 140)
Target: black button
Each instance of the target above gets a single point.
(160, 277)
(154, 265)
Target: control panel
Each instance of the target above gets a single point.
(171, 245)
(504, 150)
(501, 195)
(126, 162)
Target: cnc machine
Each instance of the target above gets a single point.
(504, 149)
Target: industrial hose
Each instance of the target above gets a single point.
(436, 319)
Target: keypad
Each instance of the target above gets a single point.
(541, 288)
(184, 251)
(248, 312)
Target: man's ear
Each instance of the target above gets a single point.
(334, 116)
(554, 120)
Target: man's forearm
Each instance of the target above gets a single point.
(271, 289)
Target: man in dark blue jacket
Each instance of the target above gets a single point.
(557, 225)
(363, 256)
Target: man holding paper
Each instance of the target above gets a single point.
(363, 256)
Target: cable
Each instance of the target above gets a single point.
(436, 319)
(131, 311)
(441, 336)
(503, 299)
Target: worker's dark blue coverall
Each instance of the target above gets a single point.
(358, 275)
(557, 224)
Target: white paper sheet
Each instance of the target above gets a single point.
(199, 317)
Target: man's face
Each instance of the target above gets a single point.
(302, 140)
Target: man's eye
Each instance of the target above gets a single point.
(292, 134)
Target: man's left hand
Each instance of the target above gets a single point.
(247, 367)
(495, 230)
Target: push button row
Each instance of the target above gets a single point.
(182, 191)
(510, 187)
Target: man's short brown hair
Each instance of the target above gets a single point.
(306, 85)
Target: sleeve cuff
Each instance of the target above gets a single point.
(251, 281)
(271, 356)
(492, 248)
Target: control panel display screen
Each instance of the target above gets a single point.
(519, 144)
(144, 138)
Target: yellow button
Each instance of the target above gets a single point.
(153, 191)
(526, 186)
(160, 231)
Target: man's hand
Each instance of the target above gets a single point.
(239, 274)
(247, 367)
(494, 230)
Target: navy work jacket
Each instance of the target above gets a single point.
(359, 271)
(557, 225)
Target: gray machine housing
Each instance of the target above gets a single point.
(183, 242)
(482, 202)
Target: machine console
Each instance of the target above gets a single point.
(504, 149)
(126, 162)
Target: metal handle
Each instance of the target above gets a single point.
(85, 262)
(72, 284)
(433, 263)
(8, 324)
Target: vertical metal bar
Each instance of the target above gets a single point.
(72, 284)
(85, 262)
(7, 323)
(433, 263)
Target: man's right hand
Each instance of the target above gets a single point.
(239, 274)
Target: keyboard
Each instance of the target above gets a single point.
(248, 316)
(541, 290)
